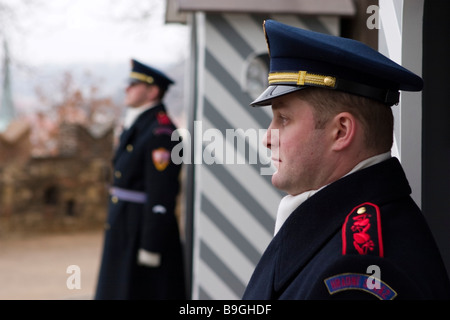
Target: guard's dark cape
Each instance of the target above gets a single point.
(131, 226)
(329, 246)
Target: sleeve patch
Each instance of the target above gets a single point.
(361, 231)
(161, 158)
(358, 281)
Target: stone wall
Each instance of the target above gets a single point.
(59, 193)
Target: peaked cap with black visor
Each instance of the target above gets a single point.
(144, 73)
(301, 58)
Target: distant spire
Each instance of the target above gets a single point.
(7, 112)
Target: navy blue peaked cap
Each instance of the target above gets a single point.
(302, 58)
(144, 73)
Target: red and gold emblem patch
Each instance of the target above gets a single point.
(161, 158)
(361, 232)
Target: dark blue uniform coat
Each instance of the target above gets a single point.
(335, 243)
(151, 225)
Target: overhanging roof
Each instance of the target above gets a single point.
(176, 10)
(308, 7)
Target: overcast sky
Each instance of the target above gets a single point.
(99, 36)
(61, 31)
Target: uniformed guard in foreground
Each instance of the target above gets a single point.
(142, 255)
(347, 228)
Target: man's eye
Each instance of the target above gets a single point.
(283, 119)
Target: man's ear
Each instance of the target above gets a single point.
(344, 127)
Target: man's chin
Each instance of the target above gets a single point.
(280, 184)
(276, 180)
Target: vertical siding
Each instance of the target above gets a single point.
(235, 205)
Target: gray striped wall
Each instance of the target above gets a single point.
(234, 205)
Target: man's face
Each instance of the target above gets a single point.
(301, 149)
(137, 94)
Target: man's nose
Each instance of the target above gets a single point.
(271, 141)
(266, 138)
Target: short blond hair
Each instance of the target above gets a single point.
(376, 118)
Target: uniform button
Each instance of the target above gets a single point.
(129, 147)
(114, 199)
(117, 174)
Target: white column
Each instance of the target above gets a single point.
(400, 38)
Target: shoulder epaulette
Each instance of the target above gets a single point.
(361, 231)
(164, 124)
(163, 118)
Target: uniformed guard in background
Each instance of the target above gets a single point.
(142, 255)
(348, 227)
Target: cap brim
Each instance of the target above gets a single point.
(134, 80)
(273, 92)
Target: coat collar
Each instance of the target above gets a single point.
(132, 113)
(147, 117)
(315, 221)
(142, 122)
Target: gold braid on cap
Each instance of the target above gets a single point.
(301, 78)
(142, 77)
